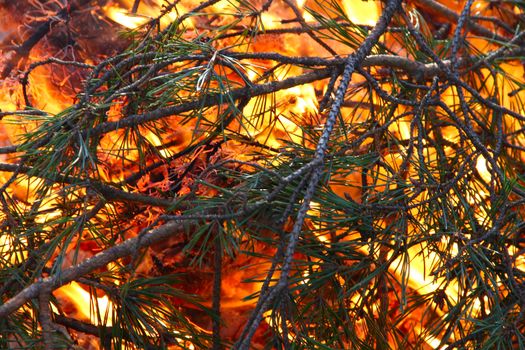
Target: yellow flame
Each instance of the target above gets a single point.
(273, 126)
(84, 303)
(362, 12)
(124, 18)
(294, 106)
(270, 21)
(306, 15)
(7, 244)
(145, 13)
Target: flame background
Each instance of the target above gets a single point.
(413, 238)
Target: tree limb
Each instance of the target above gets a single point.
(123, 249)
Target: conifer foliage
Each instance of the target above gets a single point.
(283, 174)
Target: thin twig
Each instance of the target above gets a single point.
(135, 6)
(65, 276)
(40, 32)
(108, 192)
(353, 61)
(310, 32)
(217, 281)
(44, 317)
(454, 17)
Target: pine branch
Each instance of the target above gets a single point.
(454, 17)
(330, 211)
(321, 148)
(123, 249)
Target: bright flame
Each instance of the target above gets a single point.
(146, 13)
(85, 304)
(290, 110)
(125, 18)
(362, 12)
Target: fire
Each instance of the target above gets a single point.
(146, 11)
(85, 307)
(122, 17)
(152, 167)
(362, 12)
(282, 123)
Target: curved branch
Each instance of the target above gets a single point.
(121, 250)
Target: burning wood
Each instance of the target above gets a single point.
(257, 174)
